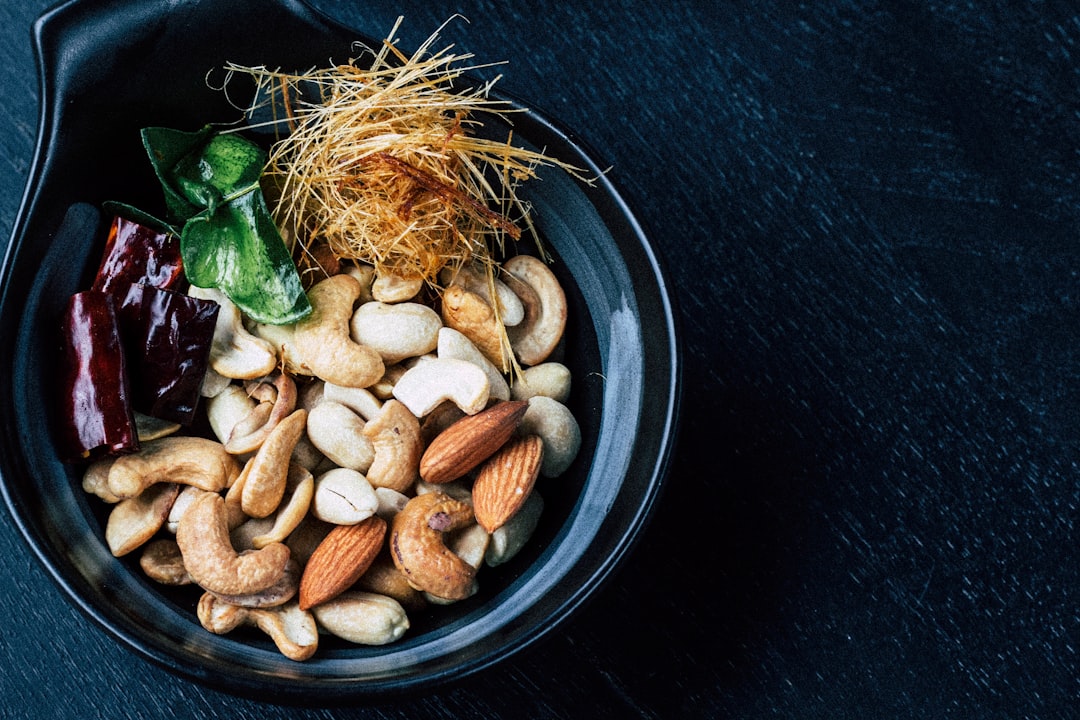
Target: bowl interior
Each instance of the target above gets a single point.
(620, 347)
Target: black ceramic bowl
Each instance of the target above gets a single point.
(109, 68)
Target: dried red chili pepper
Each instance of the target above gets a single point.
(136, 253)
(97, 412)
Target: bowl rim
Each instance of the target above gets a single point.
(55, 28)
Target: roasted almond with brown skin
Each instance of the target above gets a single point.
(470, 441)
(505, 481)
(340, 559)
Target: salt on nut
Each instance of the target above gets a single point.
(363, 618)
(338, 433)
(453, 344)
(559, 430)
(550, 379)
(396, 331)
(343, 497)
(426, 385)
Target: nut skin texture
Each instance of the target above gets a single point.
(322, 338)
(203, 537)
(418, 550)
(470, 441)
(340, 559)
(177, 459)
(505, 481)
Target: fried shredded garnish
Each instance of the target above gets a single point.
(381, 160)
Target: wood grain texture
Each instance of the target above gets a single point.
(870, 215)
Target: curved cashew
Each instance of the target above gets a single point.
(476, 280)
(558, 428)
(181, 459)
(228, 409)
(536, 337)
(473, 317)
(395, 435)
(426, 385)
(360, 400)
(397, 331)
(277, 594)
(365, 275)
(203, 537)
(363, 618)
(96, 479)
(134, 521)
(234, 352)
(300, 488)
(276, 400)
(322, 338)
(550, 379)
(338, 433)
(213, 383)
(283, 339)
(416, 545)
(453, 344)
(470, 543)
(293, 630)
(268, 470)
(162, 562)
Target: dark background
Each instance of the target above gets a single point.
(869, 212)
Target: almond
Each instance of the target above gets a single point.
(505, 481)
(470, 441)
(340, 559)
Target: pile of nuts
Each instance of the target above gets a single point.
(368, 462)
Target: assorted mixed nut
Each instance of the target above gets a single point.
(362, 463)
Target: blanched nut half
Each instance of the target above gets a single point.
(134, 521)
(293, 630)
(268, 471)
(181, 459)
(536, 337)
(363, 618)
(559, 430)
(235, 352)
(473, 317)
(426, 385)
(322, 338)
(418, 550)
(395, 435)
(203, 538)
(396, 331)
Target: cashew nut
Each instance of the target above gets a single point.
(384, 578)
(473, 317)
(363, 618)
(395, 435)
(397, 331)
(180, 459)
(360, 400)
(509, 539)
(183, 501)
(235, 352)
(228, 409)
(416, 545)
(268, 471)
(277, 594)
(338, 433)
(452, 344)
(343, 497)
(365, 275)
(476, 280)
(470, 544)
(428, 384)
(283, 339)
(550, 379)
(322, 338)
(162, 562)
(132, 522)
(536, 337)
(96, 479)
(203, 537)
(390, 288)
(293, 630)
(299, 488)
(558, 428)
(276, 399)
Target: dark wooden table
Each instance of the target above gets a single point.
(871, 216)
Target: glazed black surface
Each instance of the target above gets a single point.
(869, 216)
